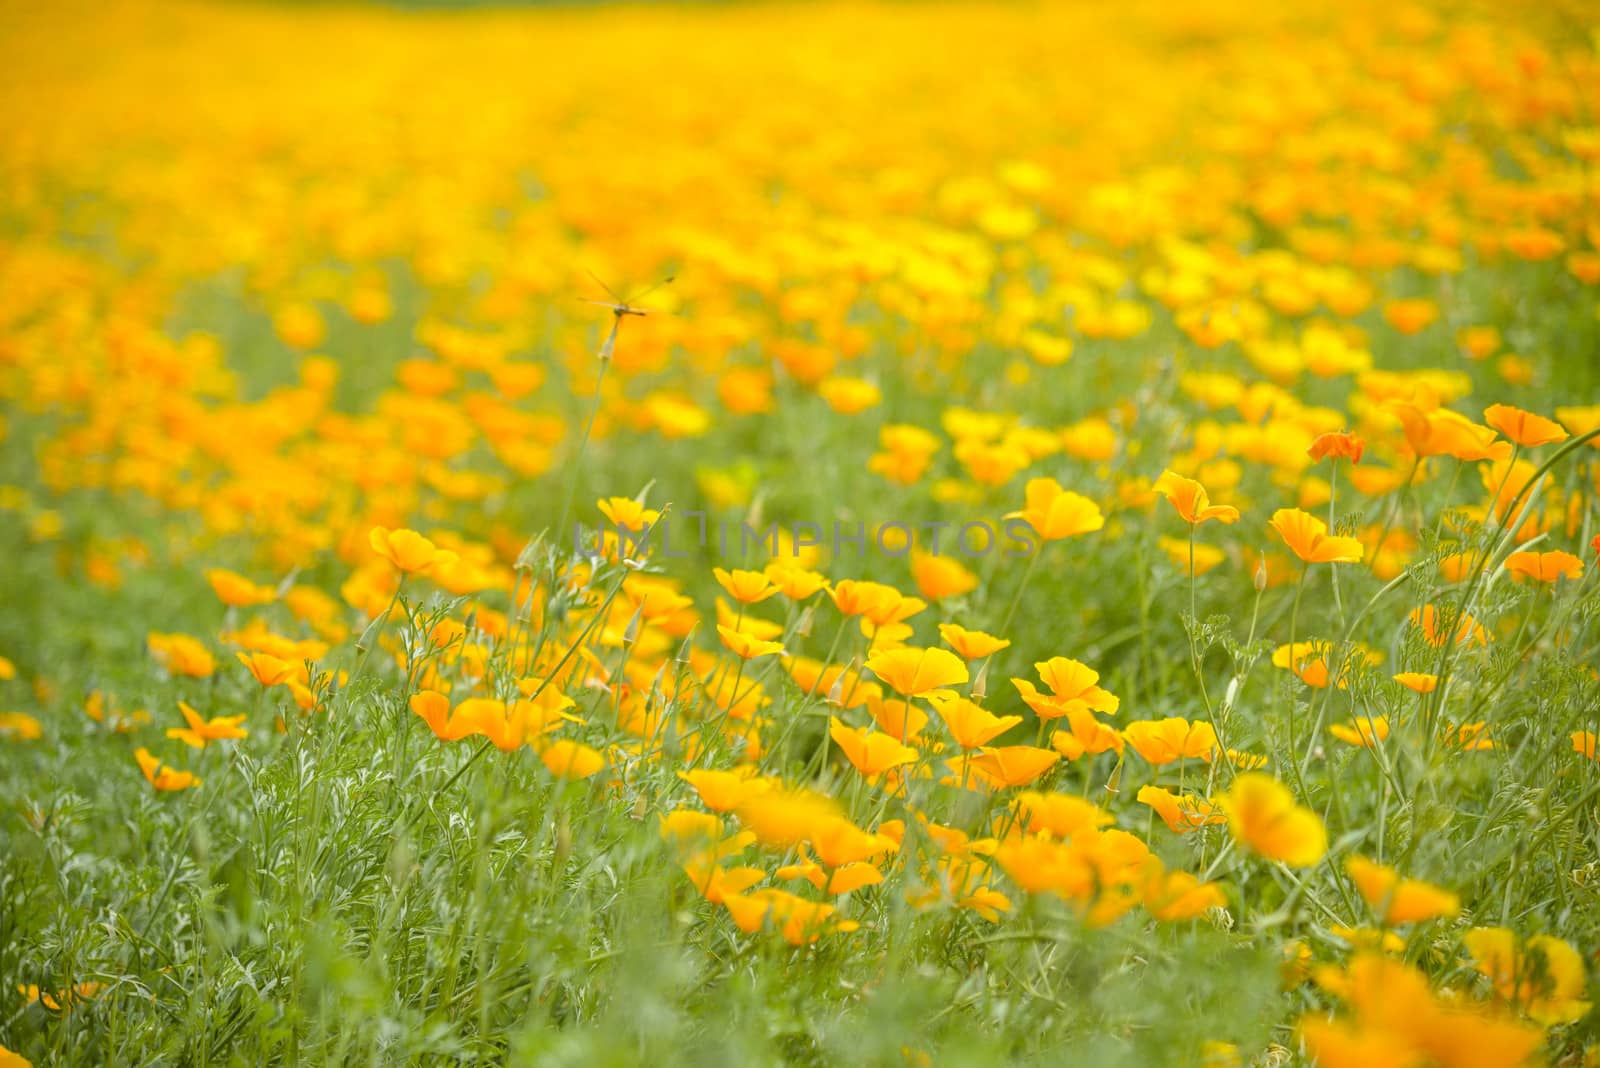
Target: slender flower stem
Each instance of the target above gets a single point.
(1194, 652)
(1294, 623)
(1016, 599)
(1394, 509)
(588, 428)
(1344, 642)
(382, 623)
(1333, 489)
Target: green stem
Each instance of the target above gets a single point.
(1294, 624)
(1027, 575)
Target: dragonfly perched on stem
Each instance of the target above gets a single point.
(621, 308)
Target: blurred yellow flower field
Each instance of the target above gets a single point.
(788, 533)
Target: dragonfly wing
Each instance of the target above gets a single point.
(609, 291)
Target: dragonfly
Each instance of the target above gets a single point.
(621, 308)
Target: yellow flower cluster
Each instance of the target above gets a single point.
(1204, 300)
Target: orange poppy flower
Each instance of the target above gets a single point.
(1073, 685)
(1418, 681)
(722, 791)
(627, 513)
(901, 719)
(492, 719)
(798, 920)
(912, 672)
(1458, 567)
(1182, 813)
(938, 577)
(1479, 342)
(1341, 444)
(1175, 738)
(407, 550)
(849, 396)
(1178, 895)
(686, 828)
(1362, 732)
(1544, 976)
(747, 646)
(857, 597)
(840, 684)
(567, 759)
(970, 724)
(201, 730)
(1190, 500)
(1411, 315)
(1060, 815)
(162, 776)
(267, 669)
(840, 880)
(182, 655)
(747, 587)
(1524, 428)
(1467, 631)
(1085, 734)
(1584, 744)
(1180, 551)
(795, 582)
(838, 841)
(1263, 816)
(434, 709)
(780, 818)
(715, 882)
(1442, 432)
(1307, 537)
(745, 390)
(1309, 660)
(1545, 567)
(1055, 513)
(1013, 765)
(236, 591)
(971, 644)
(869, 752)
(1399, 900)
(299, 325)
(20, 727)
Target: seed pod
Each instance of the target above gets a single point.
(1114, 784)
(563, 836)
(525, 559)
(980, 685)
(836, 691)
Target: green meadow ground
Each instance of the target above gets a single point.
(351, 892)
